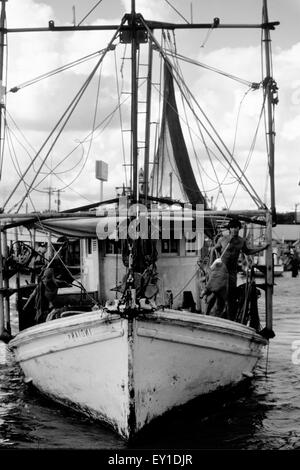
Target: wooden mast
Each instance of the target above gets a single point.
(134, 110)
(271, 89)
(147, 125)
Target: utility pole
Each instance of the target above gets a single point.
(50, 191)
(58, 200)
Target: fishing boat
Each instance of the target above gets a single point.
(143, 342)
(260, 266)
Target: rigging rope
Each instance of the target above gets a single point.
(185, 286)
(203, 141)
(54, 71)
(172, 6)
(68, 114)
(252, 145)
(94, 7)
(20, 173)
(253, 85)
(108, 118)
(186, 119)
(120, 119)
(51, 171)
(179, 72)
(253, 195)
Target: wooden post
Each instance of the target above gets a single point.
(269, 83)
(33, 274)
(6, 286)
(1, 287)
(269, 273)
(147, 124)
(270, 216)
(134, 105)
(18, 296)
(50, 247)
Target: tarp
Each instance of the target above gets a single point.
(172, 174)
(71, 227)
(109, 225)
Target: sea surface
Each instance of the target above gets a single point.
(266, 415)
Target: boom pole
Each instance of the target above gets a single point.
(271, 90)
(134, 110)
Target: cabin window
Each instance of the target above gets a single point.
(170, 246)
(74, 253)
(193, 244)
(191, 247)
(88, 246)
(112, 247)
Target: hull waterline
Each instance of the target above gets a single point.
(127, 372)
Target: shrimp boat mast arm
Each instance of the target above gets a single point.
(271, 90)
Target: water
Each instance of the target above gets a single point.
(265, 417)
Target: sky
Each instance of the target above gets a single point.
(33, 111)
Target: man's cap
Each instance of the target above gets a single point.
(234, 223)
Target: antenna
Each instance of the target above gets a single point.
(74, 15)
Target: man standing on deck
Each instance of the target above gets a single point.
(229, 247)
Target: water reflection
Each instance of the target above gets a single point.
(264, 416)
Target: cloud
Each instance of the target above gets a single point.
(37, 108)
(222, 99)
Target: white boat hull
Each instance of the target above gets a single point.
(128, 372)
(278, 270)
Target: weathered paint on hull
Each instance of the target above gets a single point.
(181, 356)
(128, 372)
(81, 362)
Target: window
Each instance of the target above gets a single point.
(112, 247)
(88, 246)
(190, 247)
(170, 246)
(194, 244)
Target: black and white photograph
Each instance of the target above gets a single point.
(149, 228)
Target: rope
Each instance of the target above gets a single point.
(19, 172)
(71, 275)
(188, 127)
(45, 75)
(94, 7)
(194, 275)
(172, 6)
(69, 110)
(121, 120)
(253, 85)
(251, 148)
(253, 195)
